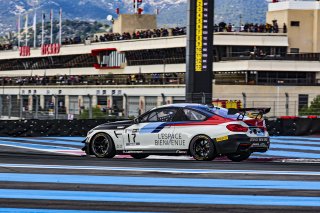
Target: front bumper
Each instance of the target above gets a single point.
(86, 146)
(242, 143)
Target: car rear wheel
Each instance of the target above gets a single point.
(102, 146)
(237, 157)
(139, 156)
(202, 148)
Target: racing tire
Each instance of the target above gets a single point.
(102, 146)
(139, 155)
(202, 148)
(238, 157)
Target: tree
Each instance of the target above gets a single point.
(313, 109)
(96, 113)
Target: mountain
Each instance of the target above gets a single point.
(172, 12)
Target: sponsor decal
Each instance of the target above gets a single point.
(262, 145)
(181, 152)
(259, 139)
(132, 139)
(119, 146)
(133, 152)
(117, 134)
(24, 51)
(50, 49)
(170, 139)
(223, 138)
(199, 35)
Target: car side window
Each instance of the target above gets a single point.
(193, 115)
(160, 115)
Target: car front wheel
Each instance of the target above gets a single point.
(202, 148)
(102, 146)
(237, 157)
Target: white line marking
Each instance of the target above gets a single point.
(66, 152)
(162, 170)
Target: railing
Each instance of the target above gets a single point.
(267, 81)
(285, 57)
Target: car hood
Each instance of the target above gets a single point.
(114, 125)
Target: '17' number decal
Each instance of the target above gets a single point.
(133, 135)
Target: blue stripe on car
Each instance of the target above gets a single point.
(151, 127)
(159, 128)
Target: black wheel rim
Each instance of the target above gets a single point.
(202, 148)
(100, 145)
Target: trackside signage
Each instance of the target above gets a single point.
(50, 49)
(199, 51)
(24, 51)
(201, 37)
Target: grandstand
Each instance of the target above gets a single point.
(135, 75)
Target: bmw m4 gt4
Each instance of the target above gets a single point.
(201, 131)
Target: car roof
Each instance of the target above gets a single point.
(201, 107)
(182, 105)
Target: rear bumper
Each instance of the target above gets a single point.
(242, 143)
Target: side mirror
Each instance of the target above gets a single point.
(136, 120)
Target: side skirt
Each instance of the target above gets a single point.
(154, 152)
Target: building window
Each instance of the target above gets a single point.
(294, 50)
(303, 101)
(295, 23)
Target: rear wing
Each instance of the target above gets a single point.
(256, 113)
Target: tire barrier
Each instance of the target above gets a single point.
(274, 127)
(288, 127)
(44, 128)
(285, 126)
(315, 126)
(293, 126)
(304, 126)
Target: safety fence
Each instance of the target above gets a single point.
(282, 101)
(287, 126)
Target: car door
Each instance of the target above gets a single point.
(187, 125)
(152, 131)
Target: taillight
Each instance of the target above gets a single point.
(237, 128)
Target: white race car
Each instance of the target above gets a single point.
(201, 131)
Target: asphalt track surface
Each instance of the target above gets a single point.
(40, 177)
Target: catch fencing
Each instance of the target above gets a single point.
(50, 107)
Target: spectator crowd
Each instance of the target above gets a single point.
(135, 35)
(154, 78)
(5, 46)
(250, 27)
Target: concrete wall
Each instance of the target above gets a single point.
(316, 31)
(306, 36)
(131, 22)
